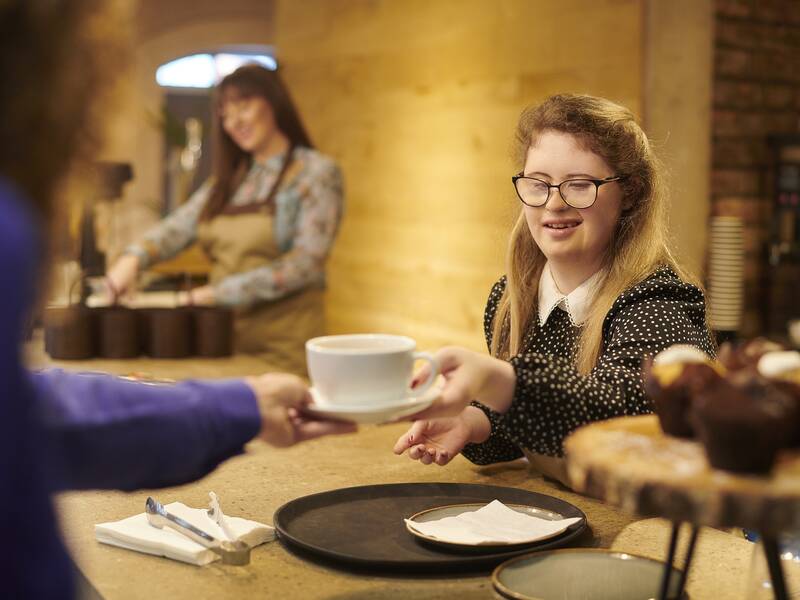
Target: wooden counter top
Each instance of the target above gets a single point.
(254, 486)
(257, 483)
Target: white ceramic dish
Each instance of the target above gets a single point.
(454, 510)
(372, 415)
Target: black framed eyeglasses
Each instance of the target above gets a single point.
(577, 193)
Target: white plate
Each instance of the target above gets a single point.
(455, 510)
(371, 415)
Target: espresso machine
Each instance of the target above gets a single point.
(109, 180)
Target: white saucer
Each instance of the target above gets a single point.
(371, 415)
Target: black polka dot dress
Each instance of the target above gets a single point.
(551, 398)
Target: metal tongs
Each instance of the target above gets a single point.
(231, 553)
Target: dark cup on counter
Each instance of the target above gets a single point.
(117, 332)
(213, 329)
(69, 333)
(169, 332)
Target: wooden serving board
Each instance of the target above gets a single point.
(631, 463)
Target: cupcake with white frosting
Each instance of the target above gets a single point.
(745, 355)
(670, 380)
(783, 366)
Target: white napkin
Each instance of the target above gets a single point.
(135, 533)
(494, 523)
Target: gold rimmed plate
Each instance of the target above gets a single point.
(454, 510)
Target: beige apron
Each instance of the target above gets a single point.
(241, 239)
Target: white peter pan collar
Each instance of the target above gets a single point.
(576, 304)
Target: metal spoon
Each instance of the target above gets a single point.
(231, 553)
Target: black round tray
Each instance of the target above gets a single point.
(362, 527)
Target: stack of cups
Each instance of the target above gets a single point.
(726, 274)
(77, 332)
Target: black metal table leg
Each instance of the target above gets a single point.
(687, 561)
(673, 544)
(773, 556)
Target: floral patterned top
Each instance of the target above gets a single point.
(551, 399)
(308, 210)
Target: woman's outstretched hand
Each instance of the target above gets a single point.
(468, 376)
(439, 440)
(203, 295)
(434, 440)
(121, 277)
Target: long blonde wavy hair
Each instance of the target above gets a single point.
(638, 246)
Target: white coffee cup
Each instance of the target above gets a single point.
(369, 369)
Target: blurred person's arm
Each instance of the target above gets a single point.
(105, 432)
(173, 233)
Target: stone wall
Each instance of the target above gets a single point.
(756, 95)
(418, 100)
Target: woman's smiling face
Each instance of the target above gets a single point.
(248, 120)
(572, 239)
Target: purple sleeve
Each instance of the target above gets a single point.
(107, 432)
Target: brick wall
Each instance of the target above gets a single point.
(756, 94)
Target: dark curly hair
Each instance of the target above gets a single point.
(57, 59)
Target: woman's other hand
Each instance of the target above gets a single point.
(439, 440)
(469, 376)
(280, 399)
(121, 277)
(200, 296)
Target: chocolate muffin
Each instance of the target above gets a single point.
(742, 421)
(782, 369)
(670, 381)
(746, 355)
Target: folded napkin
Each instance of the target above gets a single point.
(494, 523)
(135, 533)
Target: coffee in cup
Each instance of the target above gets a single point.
(369, 369)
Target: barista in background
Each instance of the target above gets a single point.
(61, 430)
(267, 219)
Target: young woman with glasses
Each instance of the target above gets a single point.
(591, 288)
